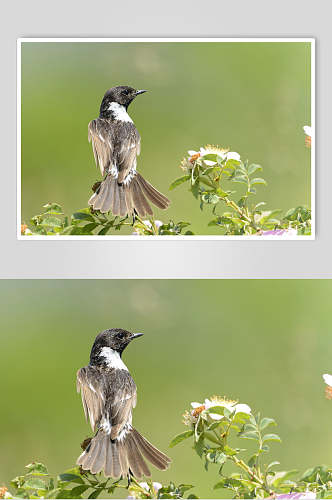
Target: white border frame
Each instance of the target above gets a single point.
(166, 237)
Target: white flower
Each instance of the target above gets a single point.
(156, 486)
(139, 231)
(307, 130)
(213, 150)
(327, 379)
(224, 403)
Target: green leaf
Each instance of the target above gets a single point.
(35, 483)
(316, 473)
(281, 477)
(271, 437)
(240, 178)
(231, 163)
(272, 464)
(53, 207)
(181, 437)
(214, 425)
(88, 228)
(250, 435)
(95, 494)
(64, 494)
(78, 490)
(195, 189)
(179, 181)
(37, 467)
(49, 220)
(199, 445)
(210, 198)
(252, 460)
(265, 422)
(229, 451)
(253, 168)
(216, 457)
(104, 230)
(218, 410)
(71, 478)
(257, 180)
(83, 216)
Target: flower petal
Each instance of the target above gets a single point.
(210, 163)
(327, 379)
(243, 408)
(233, 156)
(196, 405)
(307, 130)
(215, 416)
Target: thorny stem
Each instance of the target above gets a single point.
(228, 202)
(251, 474)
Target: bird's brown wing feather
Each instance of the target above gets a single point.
(90, 382)
(122, 401)
(111, 394)
(101, 135)
(115, 145)
(128, 148)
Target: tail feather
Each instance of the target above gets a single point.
(141, 205)
(156, 457)
(108, 198)
(120, 457)
(123, 204)
(99, 462)
(101, 196)
(115, 207)
(123, 199)
(108, 463)
(152, 193)
(94, 462)
(136, 461)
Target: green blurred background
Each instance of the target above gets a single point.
(251, 97)
(265, 342)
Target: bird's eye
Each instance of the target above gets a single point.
(126, 92)
(120, 335)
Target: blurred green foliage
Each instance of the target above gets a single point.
(264, 342)
(252, 97)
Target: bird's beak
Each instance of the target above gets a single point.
(138, 92)
(135, 335)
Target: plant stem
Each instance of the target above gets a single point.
(251, 474)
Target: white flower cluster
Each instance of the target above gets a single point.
(232, 406)
(224, 154)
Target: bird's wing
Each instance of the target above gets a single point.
(128, 147)
(93, 387)
(121, 401)
(101, 135)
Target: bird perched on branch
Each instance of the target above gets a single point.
(116, 145)
(108, 395)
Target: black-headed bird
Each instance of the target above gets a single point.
(109, 395)
(116, 144)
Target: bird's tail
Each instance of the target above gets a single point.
(126, 198)
(123, 456)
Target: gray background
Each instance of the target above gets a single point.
(166, 259)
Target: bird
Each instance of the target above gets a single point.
(108, 394)
(116, 144)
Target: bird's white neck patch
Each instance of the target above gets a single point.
(119, 112)
(112, 358)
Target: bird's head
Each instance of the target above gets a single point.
(122, 95)
(115, 339)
